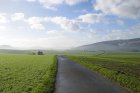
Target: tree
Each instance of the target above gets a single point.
(33, 53)
(40, 53)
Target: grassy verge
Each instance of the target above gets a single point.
(27, 73)
(124, 72)
(48, 84)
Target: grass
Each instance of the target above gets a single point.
(27, 73)
(123, 68)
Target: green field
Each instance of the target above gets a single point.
(27, 73)
(121, 67)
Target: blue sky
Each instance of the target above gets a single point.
(63, 24)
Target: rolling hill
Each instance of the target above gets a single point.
(130, 45)
(6, 47)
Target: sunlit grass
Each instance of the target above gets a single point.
(27, 73)
(123, 68)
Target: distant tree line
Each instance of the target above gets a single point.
(38, 53)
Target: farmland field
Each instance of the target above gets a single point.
(27, 73)
(123, 68)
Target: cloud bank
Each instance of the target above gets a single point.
(121, 8)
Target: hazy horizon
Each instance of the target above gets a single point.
(64, 24)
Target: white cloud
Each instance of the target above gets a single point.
(35, 20)
(91, 18)
(121, 8)
(17, 16)
(3, 18)
(65, 23)
(37, 27)
(35, 23)
(51, 4)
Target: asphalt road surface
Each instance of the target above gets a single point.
(74, 78)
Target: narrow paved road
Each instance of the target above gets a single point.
(74, 78)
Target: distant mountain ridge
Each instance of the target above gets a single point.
(6, 47)
(114, 45)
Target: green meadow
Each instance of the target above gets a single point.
(120, 67)
(27, 73)
(20, 73)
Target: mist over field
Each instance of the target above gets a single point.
(69, 46)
